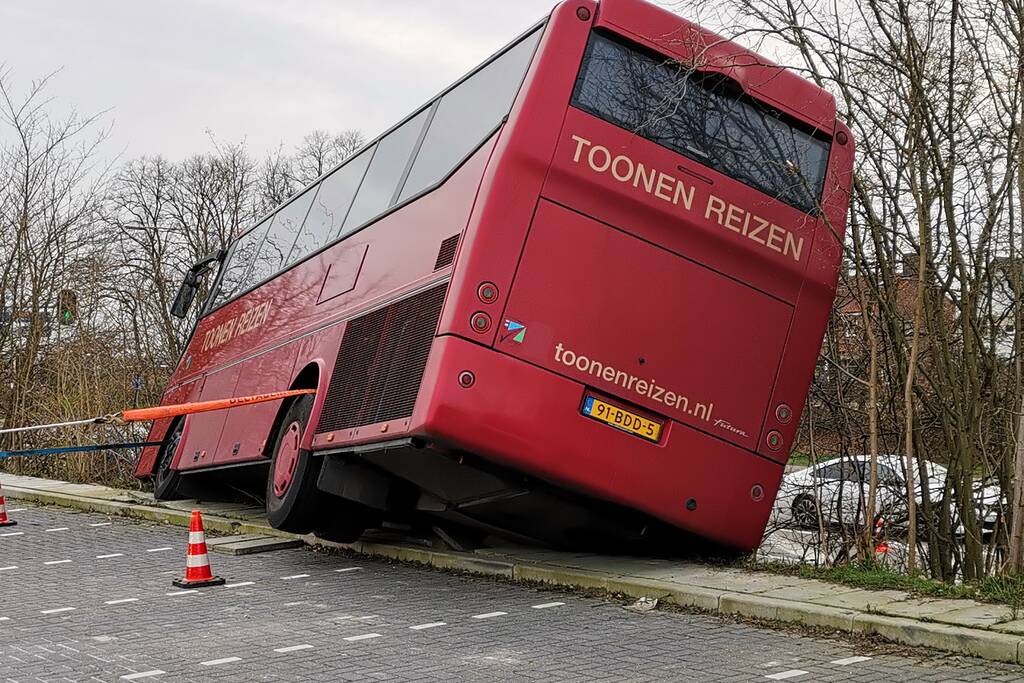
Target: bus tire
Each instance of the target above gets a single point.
(292, 496)
(165, 480)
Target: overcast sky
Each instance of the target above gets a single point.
(173, 72)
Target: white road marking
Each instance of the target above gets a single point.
(365, 636)
(489, 615)
(545, 605)
(348, 569)
(105, 557)
(158, 550)
(433, 624)
(57, 562)
(293, 604)
(4, 569)
(295, 576)
(187, 591)
(225, 660)
(849, 660)
(783, 675)
(293, 648)
(55, 611)
(57, 528)
(240, 583)
(13, 533)
(16, 510)
(101, 524)
(121, 601)
(5, 618)
(143, 674)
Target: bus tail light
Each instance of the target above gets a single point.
(466, 379)
(480, 321)
(488, 292)
(774, 440)
(783, 413)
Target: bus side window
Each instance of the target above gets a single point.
(468, 114)
(385, 172)
(327, 214)
(238, 263)
(278, 243)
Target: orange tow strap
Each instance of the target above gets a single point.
(159, 412)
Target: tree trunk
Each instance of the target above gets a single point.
(1015, 559)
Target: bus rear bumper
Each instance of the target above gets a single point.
(528, 419)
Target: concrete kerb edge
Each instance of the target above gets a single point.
(981, 643)
(968, 641)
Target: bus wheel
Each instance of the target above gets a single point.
(292, 496)
(165, 480)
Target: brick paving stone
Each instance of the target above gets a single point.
(584, 639)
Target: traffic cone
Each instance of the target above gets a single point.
(4, 519)
(881, 547)
(197, 562)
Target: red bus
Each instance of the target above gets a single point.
(578, 295)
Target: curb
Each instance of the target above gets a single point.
(981, 643)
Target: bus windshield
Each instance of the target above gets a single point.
(703, 116)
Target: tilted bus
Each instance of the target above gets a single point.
(579, 294)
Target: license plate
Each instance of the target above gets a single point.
(622, 419)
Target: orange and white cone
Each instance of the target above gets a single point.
(881, 546)
(197, 562)
(4, 519)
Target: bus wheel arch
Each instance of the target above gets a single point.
(166, 479)
(291, 494)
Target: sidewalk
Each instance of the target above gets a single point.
(960, 626)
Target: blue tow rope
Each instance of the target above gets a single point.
(77, 449)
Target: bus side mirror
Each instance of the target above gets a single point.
(190, 285)
(186, 293)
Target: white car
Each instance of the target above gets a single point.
(839, 489)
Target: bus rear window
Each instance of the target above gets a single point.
(705, 117)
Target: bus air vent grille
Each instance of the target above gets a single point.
(380, 364)
(446, 254)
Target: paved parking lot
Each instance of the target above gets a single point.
(87, 598)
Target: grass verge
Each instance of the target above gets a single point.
(1007, 590)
